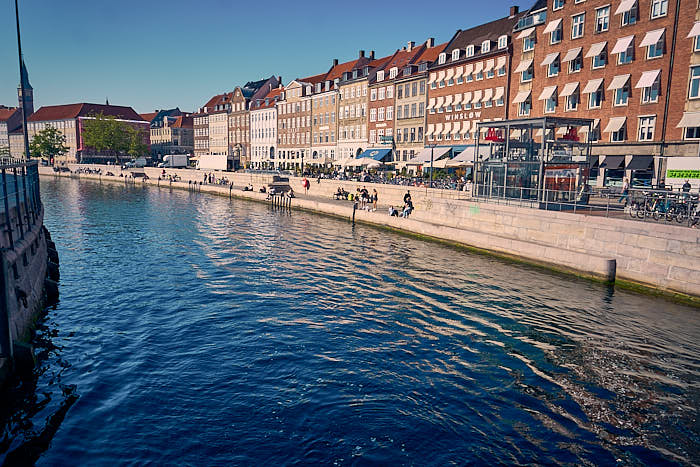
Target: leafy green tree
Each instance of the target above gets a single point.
(48, 143)
(106, 134)
(4, 151)
(136, 145)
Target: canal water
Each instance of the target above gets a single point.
(201, 331)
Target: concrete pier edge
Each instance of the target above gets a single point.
(622, 283)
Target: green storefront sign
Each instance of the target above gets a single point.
(683, 174)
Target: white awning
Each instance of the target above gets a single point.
(625, 6)
(450, 74)
(614, 124)
(561, 130)
(458, 72)
(618, 82)
(455, 129)
(490, 64)
(648, 79)
(477, 96)
(569, 89)
(596, 49)
(689, 120)
(500, 63)
(622, 44)
(584, 128)
(468, 68)
(695, 30)
(433, 78)
(431, 129)
(468, 97)
(593, 85)
(523, 66)
(550, 58)
(457, 99)
(547, 92)
(652, 37)
(466, 126)
(441, 75)
(526, 33)
(552, 26)
(478, 68)
(500, 91)
(448, 100)
(431, 104)
(448, 128)
(440, 100)
(438, 128)
(488, 95)
(425, 155)
(572, 54)
(521, 97)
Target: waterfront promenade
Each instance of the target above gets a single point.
(655, 256)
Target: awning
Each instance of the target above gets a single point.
(640, 163)
(552, 26)
(648, 79)
(549, 59)
(523, 66)
(625, 6)
(450, 74)
(378, 154)
(448, 100)
(433, 78)
(478, 68)
(457, 99)
(500, 91)
(572, 54)
(468, 97)
(466, 157)
(612, 162)
(488, 95)
(689, 120)
(466, 126)
(431, 129)
(500, 63)
(448, 128)
(561, 131)
(593, 85)
(596, 49)
(440, 100)
(458, 72)
(431, 104)
(614, 124)
(468, 68)
(547, 92)
(652, 37)
(490, 64)
(618, 82)
(695, 30)
(441, 75)
(521, 97)
(477, 96)
(455, 127)
(438, 129)
(569, 89)
(622, 44)
(424, 155)
(525, 33)
(596, 122)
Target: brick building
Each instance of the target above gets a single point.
(10, 120)
(171, 132)
(263, 130)
(294, 124)
(200, 120)
(324, 122)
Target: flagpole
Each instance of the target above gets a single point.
(21, 87)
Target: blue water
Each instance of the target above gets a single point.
(201, 331)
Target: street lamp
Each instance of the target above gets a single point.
(432, 148)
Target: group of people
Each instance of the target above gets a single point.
(407, 207)
(366, 200)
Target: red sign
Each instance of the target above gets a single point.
(493, 134)
(571, 134)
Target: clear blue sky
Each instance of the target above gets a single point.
(152, 54)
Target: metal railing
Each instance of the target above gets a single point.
(20, 200)
(678, 207)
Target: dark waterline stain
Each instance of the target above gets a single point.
(192, 329)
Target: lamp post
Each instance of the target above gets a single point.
(432, 149)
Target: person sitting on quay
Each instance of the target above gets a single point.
(407, 209)
(393, 212)
(290, 193)
(263, 189)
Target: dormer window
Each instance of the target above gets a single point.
(423, 67)
(393, 72)
(485, 47)
(442, 58)
(503, 42)
(318, 87)
(354, 74)
(365, 71)
(470, 51)
(455, 54)
(380, 75)
(407, 71)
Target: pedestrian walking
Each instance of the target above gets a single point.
(625, 191)
(375, 197)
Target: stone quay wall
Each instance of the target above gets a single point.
(660, 256)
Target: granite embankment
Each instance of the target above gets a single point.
(658, 256)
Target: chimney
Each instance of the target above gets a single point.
(335, 62)
(430, 42)
(410, 45)
(362, 53)
(371, 54)
(514, 10)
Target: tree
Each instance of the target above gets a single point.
(48, 144)
(104, 133)
(4, 151)
(136, 145)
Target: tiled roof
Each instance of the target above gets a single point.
(183, 121)
(272, 97)
(5, 114)
(68, 111)
(338, 70)
(430, 54)
(489, 31)
(149, 116)
(314, 79)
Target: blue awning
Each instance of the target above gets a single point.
(376, 154)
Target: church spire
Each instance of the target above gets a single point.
(25, 76)
(28, 101)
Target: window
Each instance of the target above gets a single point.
(577, 26)
(442, 58)
(553, 68)
(380, 75)
(659, 8)
(372, 136)
(524, 108)
(696, 44)
(627, 56)
(380, 114)
(651, 94)
(393, 72)
(557, 35)
(470, 51)
(558, 5)
(503, 42)
(398, 112)
(413, 110)
(630, 16)
(694, 82)
(602, 19)
(390, 92)
(646, 128)
(421, 109)
(657, 49)
(390, 112)
(619, 135)
(527, 75)
(600, 60)
(485, 47)
(502, 71)
(380, 94)
(373, 95)
(595, 101)
(422, 88)
(529, 43)
(692, 132)
(455, 54)
(572, 102)
(414, 88)
(576, 64)
(622, 95)
(399, 91)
